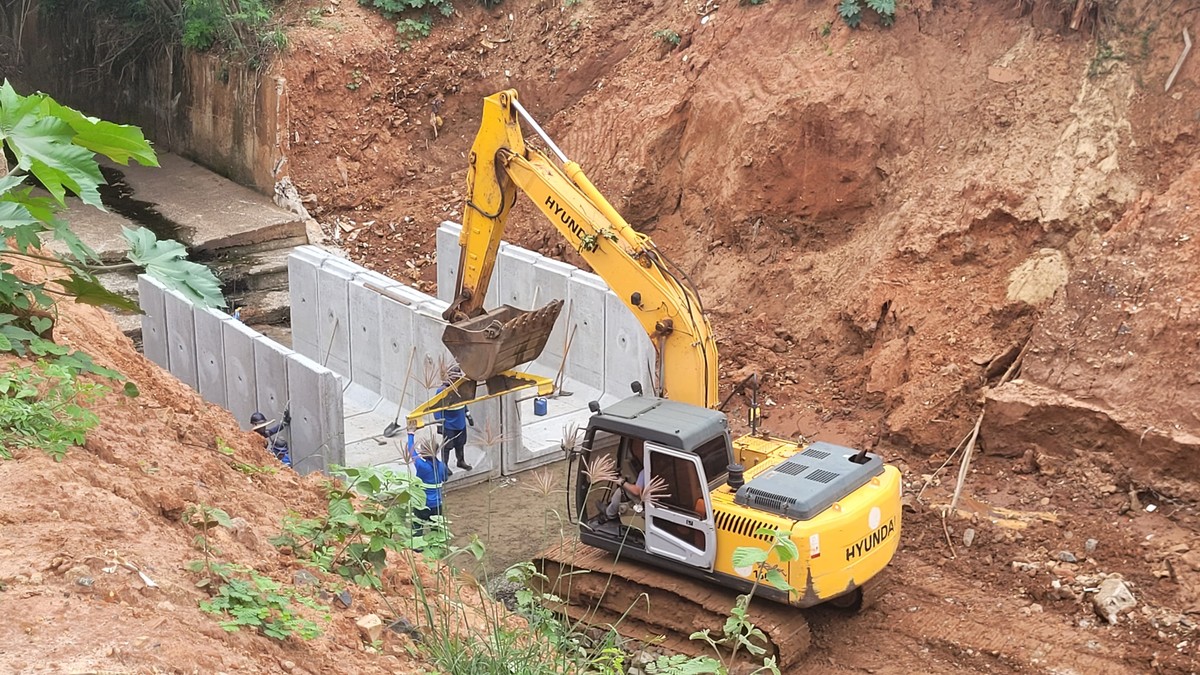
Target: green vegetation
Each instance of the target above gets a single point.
(370, 513)
(1104, 59)
(44, 407)
(247, 598)
(851, 11)
(54, 147)
(245, 30)
(408, 26)
(246, 27)
(243, 467)
(668, 37)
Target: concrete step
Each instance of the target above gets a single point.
(267, 308)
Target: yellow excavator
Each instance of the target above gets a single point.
(664, 569)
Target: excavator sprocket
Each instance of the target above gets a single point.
(656, 606)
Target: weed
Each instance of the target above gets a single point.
(243, 467)
(409, 29)
(1101, 63)
(43, 406)
(246, 27)
(356, 79)
(826, 29)
(353, 539)
(572, 3)
(252, 600)
(668, 37)
(851, 11)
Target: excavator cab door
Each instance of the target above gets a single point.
(679, 524)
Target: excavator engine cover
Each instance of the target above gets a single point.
(500, 340)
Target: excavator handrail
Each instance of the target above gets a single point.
(667, 306)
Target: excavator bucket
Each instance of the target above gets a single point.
(500, 340)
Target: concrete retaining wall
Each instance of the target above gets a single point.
(369, 326)
(241, 370)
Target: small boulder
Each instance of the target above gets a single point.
(370, 627)
(1113, 599)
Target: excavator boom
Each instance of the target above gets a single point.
(660, 297)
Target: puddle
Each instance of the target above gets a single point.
(118, 198)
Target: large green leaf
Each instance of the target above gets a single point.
(748, 556)
(118, 142)
(167, 262)
(44, 146)
(89, 291)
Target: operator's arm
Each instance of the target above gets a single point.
(637, 488)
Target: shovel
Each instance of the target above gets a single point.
(392, 429)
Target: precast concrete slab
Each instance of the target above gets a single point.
(401, 366)
(318, 435)
(366, 344)
(333, 323)
(628, 352)
(432, 355)
(515, 278)
(181, 338)
(552, 279)
(241, 383)
(271, 374)
(210, 354)
(151, 297)
(585, 363)
(448, 253)
(209, 211)
(304, 265)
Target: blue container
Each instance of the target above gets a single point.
(539, 406)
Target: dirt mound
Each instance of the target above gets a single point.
(67, 530)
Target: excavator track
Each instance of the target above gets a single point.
(656, 606)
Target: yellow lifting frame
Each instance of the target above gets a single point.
(455, 396)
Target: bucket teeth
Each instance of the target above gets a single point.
(501, 339)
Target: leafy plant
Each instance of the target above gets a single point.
(668, 36)
(252, 600)
(1105, 55)
(44, 407)
(246, 27)
(739, 632)
(55, 147)
(369, 515)
(356, 79)
(205, 518)
(243, 467)
(400, 11)
(851, 11)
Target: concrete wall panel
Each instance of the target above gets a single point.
(210, 354)
(303, 266)
(585, 363)
(317, 436)
(432, 355)
(181, 338)
(154, 319)
(366, 343)
(241, 383)
(447, 259)
(552, 279)
(333, 322)
(271, 374)
(628, 351)
(516, 278)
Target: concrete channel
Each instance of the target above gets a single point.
(331, 339)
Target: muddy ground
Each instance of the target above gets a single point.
(976, 211)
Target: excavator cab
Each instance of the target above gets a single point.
(685, 452)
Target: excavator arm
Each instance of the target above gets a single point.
(658, 294)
